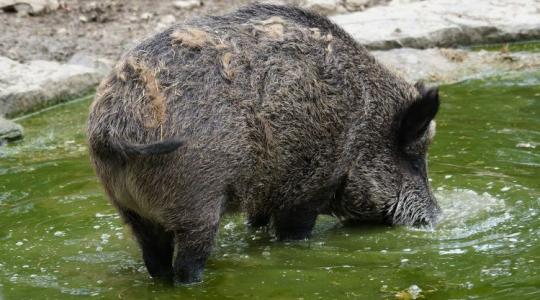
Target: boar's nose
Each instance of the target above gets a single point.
(431, 218)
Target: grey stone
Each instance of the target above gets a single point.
(453, 65)
(146, 16)
(187, 4)
(34, 7)
(325, 7)
(165, 22)
(35, 84)
(330, 7)
(443, 23)
(9, 130)
(100, 64)
(359, 5)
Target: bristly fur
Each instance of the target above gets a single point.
(279, 112)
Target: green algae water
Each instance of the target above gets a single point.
(60, 239)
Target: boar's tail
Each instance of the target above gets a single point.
(110, 148)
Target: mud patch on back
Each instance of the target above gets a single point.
(315, 33)
(190, 37)
(120, 70)
(153, 100)
(266, 136)
(273, 27)
(227, 70)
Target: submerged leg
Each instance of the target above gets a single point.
(257, 220)
(191, 251)
(194, 237)
(156, 245)
(295, 223)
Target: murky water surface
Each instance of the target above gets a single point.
(60, 239)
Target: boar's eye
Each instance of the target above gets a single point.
(417, 117)
(416, 164)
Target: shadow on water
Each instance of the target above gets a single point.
(60, 239)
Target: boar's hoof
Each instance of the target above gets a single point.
(294, 224)
(189, 273)
(293, 235)
(258, 220)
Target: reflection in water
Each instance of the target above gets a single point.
(60, 239)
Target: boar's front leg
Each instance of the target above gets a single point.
(156, 245)
(295, 223)
(257, 220)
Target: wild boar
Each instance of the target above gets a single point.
(273, 109)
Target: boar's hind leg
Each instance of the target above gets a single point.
(295, 223)
(193, 242)
(156, 245)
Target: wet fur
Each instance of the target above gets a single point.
(272, 109)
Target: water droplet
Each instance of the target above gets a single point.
(525, 145)
(412, 292)
(452, 251)
(105, 238)
(229, 226)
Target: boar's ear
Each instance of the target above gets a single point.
(418, 116)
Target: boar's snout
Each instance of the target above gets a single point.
(430, 218)
(414, 209)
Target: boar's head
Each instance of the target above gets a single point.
(387, 180)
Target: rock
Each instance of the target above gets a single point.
(165, 22)
(35, 84)
(9, 130)
(280, 2)
(359, 5)
(330, 7)
(325, 7)
(397, 2)
(168, 19)
(62, 31)
(443, 23)
(99, 12)
(453, 65)
(23, 9)
(100, 64)
(33, 7)
(146, 16)
(187, 4)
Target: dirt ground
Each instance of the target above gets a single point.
(103, 28)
